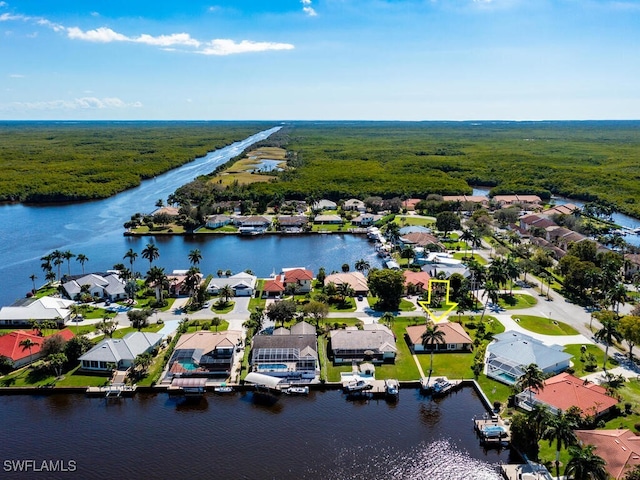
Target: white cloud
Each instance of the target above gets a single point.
(168, 40)
(99, 35)
(16, 75)
(229, 47)
(84, 103)
(307, 8)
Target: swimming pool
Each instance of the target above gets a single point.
(272, 367)
(188, 365)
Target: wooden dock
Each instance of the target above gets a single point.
(112, 391)
(493, 431)
(439, 386)
(526, 471)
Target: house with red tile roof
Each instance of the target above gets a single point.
(564, 391)
(619, 448)
(456, 339)
(273, 288)
(10, 345)
(298, 279)
(415, 282)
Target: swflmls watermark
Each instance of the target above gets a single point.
(45, 466)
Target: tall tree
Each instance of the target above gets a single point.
(27, 344)
(447, 222)
(33, 282)
(316, 310)
(215, 322)
(157, 278)
(131, 255)
(362, 266)
(195, 256)
(388, 286)
(585, 465)
(57, 259)
(561, 431)
(226, 292)
(629, 327)
(532, 378)
(81, 258)
(67, 255)
(430, 337)
(607, 335)
(151, 253)
(282, 311)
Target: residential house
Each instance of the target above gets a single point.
(296, 206)
(533, 220)
(563, 237)
(366, 219)
(243, 284)
(18, 354)
(324, 205)
(292, 223)
(527, 201)
(512, 351)
(27, 310)
(291, 354)
(298, 280)
(374, 343)
(422, 239)
(108, 286)
(204, 353)
(119, 353)
(273, 288)
(328, 219)
(166, 210)
(477, 199)
(217, 221)
(415, 282)
(252, 225)
(631, 265)
(355, 205)
(178, 282)
(456, 339)
(563, 391)
(410, 204)
(566, 209)
(620, 449)
(356, 280)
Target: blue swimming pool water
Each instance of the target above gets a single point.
(188, 365)
(273, 366)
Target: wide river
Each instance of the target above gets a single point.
(321, 436)
(95, 229)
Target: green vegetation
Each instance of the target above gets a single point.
(78, 161)
(544, 325)
(516, 301)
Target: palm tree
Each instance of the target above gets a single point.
(82, 259)
(561, 431)
(46, 263)
(430, 337)
(607, 334)
(491, 291)
(50, 277)
(215, 322)
(195, 256)
(192, 280)
(226, 292)
(157, 278)
(466, 236)
(531, 378)
(67, 255)
(393, 232)
(131, 255)
(27, 344)
(388, 318)
(33, 281)
(56, 256)
(151, 253)
(585, 465)
(362, 266)
(617, 295)
(512, 269)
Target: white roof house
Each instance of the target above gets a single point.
(109, 286)
(512, 351)
(324, 205)
(25, 310)
(120, 352)
(355, 204)
(243, 284)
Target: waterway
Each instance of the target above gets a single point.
(320, 436)
(95, 229)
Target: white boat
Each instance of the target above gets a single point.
(223, 389)
(357, 386)
(392, 387)
(297, 390)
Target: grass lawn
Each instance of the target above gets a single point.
(27, 378)
(466, 256)
(223, 229)
(517, 301)
(121, 332)
(195, 327)
(544, 326)
(257, 302)
(46, 291)
(348, 306)
(405, 305)
(328, 227)
(578, 364)
(410, 220)
(224, 308)
(146, 302)
(630, 393)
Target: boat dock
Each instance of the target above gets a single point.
(439, 386)
(493, 431)
(526, 471)
(112, 391)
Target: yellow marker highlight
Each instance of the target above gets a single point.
(425, 305)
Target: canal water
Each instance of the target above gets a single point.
(320, 436)
(95, 229)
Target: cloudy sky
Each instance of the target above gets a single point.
(320, 59)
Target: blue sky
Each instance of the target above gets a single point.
(320, 59)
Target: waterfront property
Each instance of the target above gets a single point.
(178, 284)
(374, 343)
(204, 354)
(324, 204)
(25, 311)
(354, 204)
(328, 220)
(23, 347)
(292, 223)
(511, 351)
(252, 225)
(217, 221)
(291, 354)
(415, 282)
(108, 286)
(297, 280)
(620, 449)
(120, 354)
(456, 339)
(564, 391)
(356, 280)
(243, 284)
